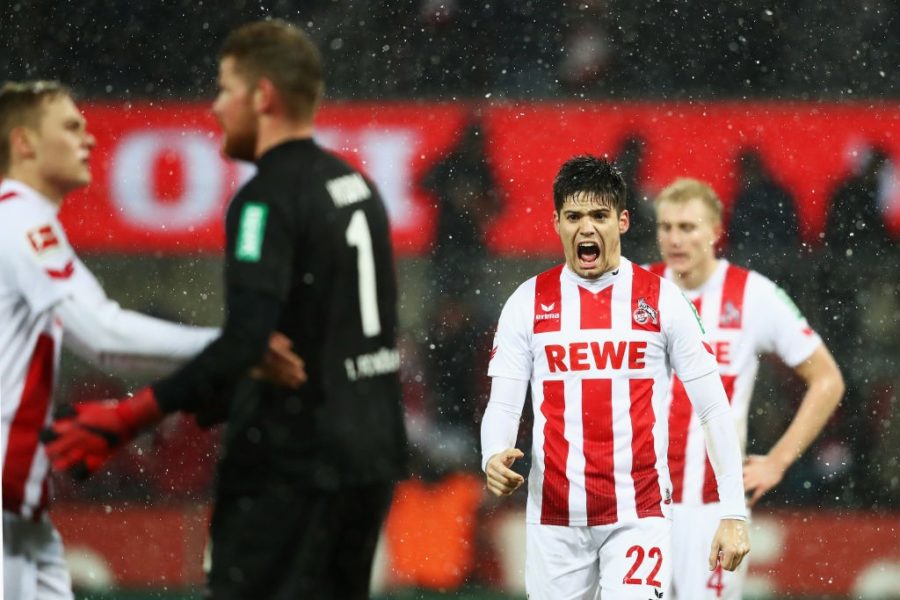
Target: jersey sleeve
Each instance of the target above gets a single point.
(41, 265)
(782, 327)
(511, 351)
(689, 353)
(260, 241)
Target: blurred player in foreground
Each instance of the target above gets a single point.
(745, 315)
(48, 296)
(595, 337)
(307, 475)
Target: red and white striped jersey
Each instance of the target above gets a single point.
(598, 355)
(37, 269)
(745, 315)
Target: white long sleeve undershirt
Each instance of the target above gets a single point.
(102, 332)
(500, 425)
(711, 405)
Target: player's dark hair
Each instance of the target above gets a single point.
(283, 54)
(21, 104)
(589, 177)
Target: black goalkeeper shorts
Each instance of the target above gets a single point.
(285, 543)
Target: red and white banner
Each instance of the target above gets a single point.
(161, 185)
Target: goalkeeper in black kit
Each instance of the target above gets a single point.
(307, 474)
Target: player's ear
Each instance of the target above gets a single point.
(22, 143)
(624, 221)
(264, 96)
(718, 230)
(556, 221)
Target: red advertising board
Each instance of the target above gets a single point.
(808, 553)
(162, 186)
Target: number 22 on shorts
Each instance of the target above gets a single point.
(638, 553)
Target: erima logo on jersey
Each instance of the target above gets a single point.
(348, 190)
(547, 314)
(251, 232)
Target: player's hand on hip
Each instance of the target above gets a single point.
(761, 474)
(730, 544)
(501, 480)
(281, 365)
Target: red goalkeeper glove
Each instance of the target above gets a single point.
(83, 442)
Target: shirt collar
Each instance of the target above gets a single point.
(595, 285)
(28, 192)
(715, 280)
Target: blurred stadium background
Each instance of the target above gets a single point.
(462, 111)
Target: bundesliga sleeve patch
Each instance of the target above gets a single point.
(251, 232)
(42, 239)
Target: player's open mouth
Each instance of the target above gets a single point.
(588, 253)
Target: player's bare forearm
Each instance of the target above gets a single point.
(825, 387)
(501, 480)
(730, 544)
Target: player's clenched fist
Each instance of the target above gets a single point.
(730, 544)
(501, 480)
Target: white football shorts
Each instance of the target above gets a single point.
(623, 561)
(693, 528)
(33, 563)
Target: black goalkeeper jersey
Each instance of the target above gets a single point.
(310, 233)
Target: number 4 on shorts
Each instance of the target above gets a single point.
(715, 581)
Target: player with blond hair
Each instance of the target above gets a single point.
(307, 475)
(47, 297)
(745, 315)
